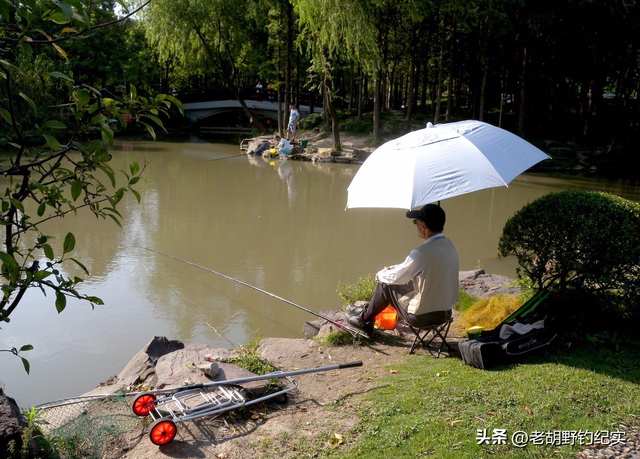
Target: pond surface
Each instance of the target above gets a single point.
(281, 227)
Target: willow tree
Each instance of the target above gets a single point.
(335, 30)
(199, 34)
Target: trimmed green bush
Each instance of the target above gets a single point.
(582, 243)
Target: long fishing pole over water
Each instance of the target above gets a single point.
(352, 331)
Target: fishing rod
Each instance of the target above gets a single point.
(337, 324)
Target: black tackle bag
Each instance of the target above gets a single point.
(532, 328)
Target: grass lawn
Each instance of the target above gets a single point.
(436, 408)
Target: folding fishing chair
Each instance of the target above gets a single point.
(423, 331)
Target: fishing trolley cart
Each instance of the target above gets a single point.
(168, 407)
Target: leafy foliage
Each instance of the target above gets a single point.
(51, 166)
(362, 290)
(581, 243)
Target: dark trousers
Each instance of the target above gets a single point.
(388, 295)
(382, 297)
(263, 147)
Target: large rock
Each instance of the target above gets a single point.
(183, 367)
(311, 328)
(480, 285)
(141, 367)
(11, 423)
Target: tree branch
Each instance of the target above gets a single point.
(76, 35)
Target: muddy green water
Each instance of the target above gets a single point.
(281, 227)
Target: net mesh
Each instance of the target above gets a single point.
(91, 427)
(490, 312)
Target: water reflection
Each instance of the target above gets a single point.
(281, 227)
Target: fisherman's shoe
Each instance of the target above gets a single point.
(353, 309)
(357, 321)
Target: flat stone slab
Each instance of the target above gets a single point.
(181, 368)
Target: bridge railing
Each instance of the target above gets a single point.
(248, 93)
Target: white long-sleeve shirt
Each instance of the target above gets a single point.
(407, 270)
(433, 268)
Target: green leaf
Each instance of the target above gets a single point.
(8, 261)
(175, 102)
(54, 124)
(26, 49)
(61, 75)
(66, 9)
(107, 134)
(69, 243)
(48, 251)
(26, 347)
(52, 142)
(82, 98)
(4, 11)
(26, 365)
(136, 194)
(117, 197)
(6, 115)
(61, 302)
(115, 220)
(41, 275)
(155, 119)
(133, 91)
(150, 129)
(58, 18)
(135, 168)
(41, 208)
(29, 101)
(18, 205)
(95, 299)
(94, 145)
(76, 189)
(79, 264)
(107, 170)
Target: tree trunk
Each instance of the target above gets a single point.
(360, 94)
(351, 74)
(377, 135)
(425, 86)
(450, 87)
(436, 117)
(412, 77)
(483, 89)
(523, 94)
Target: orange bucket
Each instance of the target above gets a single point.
(387, 319)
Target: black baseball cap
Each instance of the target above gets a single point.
(432, 214)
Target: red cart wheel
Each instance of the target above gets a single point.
(162, 432)
(143, 404)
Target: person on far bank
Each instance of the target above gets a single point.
(294, 117)
(284, 147)
(426, 282)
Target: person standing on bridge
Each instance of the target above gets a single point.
(294, 117)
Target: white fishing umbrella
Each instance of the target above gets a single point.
(440, 162)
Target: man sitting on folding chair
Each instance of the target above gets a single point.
(424, 287)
